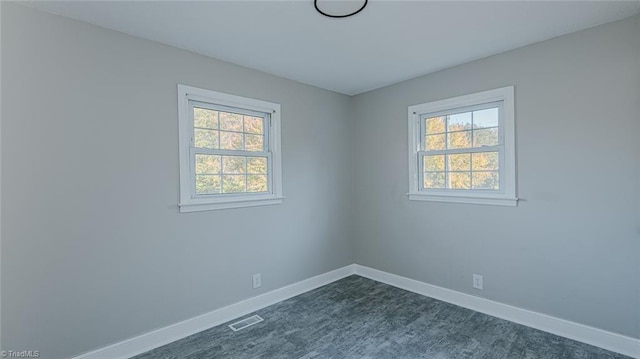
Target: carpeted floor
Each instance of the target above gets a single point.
(359, 318)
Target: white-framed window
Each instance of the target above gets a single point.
(462, 149)
(229, 151)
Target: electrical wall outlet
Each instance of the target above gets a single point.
(257, 280)
(477, 281)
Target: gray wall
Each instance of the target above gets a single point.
(571, 249)
(94, 250)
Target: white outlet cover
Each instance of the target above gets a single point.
(257, 280)
(478, 281)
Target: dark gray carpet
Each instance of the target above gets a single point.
(359, 318)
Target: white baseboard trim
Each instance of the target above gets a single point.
(582, 333)
(171, 333)
(564, 328)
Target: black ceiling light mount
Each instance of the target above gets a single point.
(340, 16)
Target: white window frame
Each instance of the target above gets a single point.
(192, 202)
(506, 196)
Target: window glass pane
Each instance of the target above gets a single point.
(486, 180)
(459, 180)
(433, 163)
(256, 165)
(459, 122)
(485, 137)
(207, 184)
(257, 183)
(254, 142)
(460, 139)
(205, 118)
(230, 121)
(459, 162)
(230, 140)
(435, 125)
(485, 118)
(205, 138)
(484, 161)
(207, 164)
(233, 164)
(233, 183)
(436, 142)
(253, 124)
(434, 180)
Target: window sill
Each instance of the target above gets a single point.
(228, 203)
(492, 201)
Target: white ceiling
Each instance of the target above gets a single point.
(388, 42)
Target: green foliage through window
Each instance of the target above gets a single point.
(227, 131)
(467, 170)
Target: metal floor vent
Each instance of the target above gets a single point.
(247, 322)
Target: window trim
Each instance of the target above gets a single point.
(507, 194)
(189, 200)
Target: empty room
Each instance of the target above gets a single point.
(320, 179)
